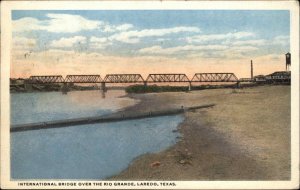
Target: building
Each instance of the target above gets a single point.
(279, 77)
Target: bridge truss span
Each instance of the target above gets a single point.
(46, 79)
(215, 77)
(83, 79)
(153, 78)
(135, 78)
(124, 78)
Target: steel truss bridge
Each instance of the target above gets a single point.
(155, 78)
(215, 77)
(46, 79)
(83, 79)
(123, 78)
(135, 78)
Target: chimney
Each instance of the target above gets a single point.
(251, 70)
(288, 60)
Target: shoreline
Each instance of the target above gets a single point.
(216, 148)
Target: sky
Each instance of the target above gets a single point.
(148, 41)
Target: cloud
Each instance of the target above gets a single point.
(124, 27)
(218, 37)
(68, 42)
(57, 23)
(70, 23)
(116, 28)
(22, 43)
(151, 50)
(162, 39)
(259, 42)
(66, 23)
(99, 43)
(108, 28)
(27, 24)
(173, 50)
(282, 37)
(121, 37)
(203, 51)
(239, 35)
(243, 48)
(98, 40)
(281, 40)
(134, 36)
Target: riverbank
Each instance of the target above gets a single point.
(246, 136)
(156, 88)
(21, 88)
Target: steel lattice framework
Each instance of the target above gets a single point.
(123, 78)
(214, 77)
(83, 79)
(167, 78)
(46, 79)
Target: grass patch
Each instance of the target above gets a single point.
(155, 88)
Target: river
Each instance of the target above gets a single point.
(93, 151)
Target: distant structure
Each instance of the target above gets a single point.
(279, 77)
(251, 70)
(287, 61)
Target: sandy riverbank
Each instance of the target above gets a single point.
(246, 136)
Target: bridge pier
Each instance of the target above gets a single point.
(145, 83)
(190, 86)
(28, 87)
(103, 87)
(102, 94)
(65, 88)
(238, 84)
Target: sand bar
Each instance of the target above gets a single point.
(246, 136)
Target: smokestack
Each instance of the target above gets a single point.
(288, 60)
(251, 70)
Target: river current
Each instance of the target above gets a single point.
(93, 151)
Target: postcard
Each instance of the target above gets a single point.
(149, 95)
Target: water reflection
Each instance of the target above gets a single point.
(49, 106)
(94, 151)
(103, 93)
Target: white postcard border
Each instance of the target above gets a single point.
(6, 8)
